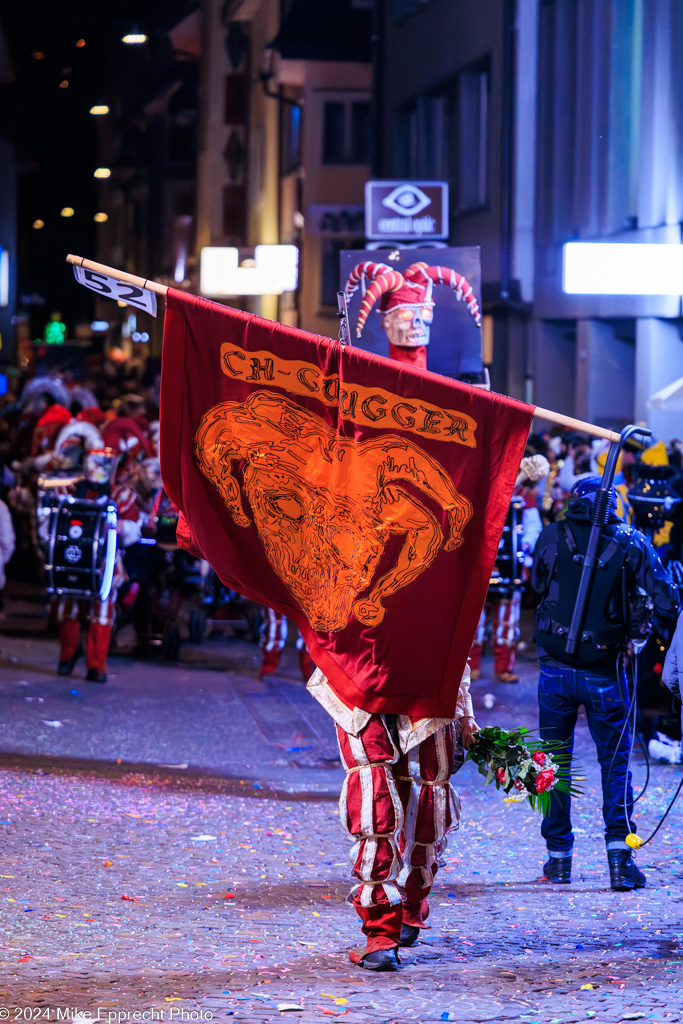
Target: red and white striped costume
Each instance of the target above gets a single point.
(71, 611)
(504, 612)
(398, 805)
(273, 640)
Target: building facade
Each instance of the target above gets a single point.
(285, 141)
(552, 121)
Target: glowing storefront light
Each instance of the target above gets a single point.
(4, 276)
(623, 268)
(273, 270)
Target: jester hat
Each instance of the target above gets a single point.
(412, 287)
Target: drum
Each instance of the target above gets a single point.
(508, 572)
(80, 545)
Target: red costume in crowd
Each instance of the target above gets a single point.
(273, 640)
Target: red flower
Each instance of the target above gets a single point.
(544, 780)
(518, 784)
(539, 757)
(500, 775)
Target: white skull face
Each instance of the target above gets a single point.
(408, 325)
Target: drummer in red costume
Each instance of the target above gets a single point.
(99, 469)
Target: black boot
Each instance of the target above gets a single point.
(409, 935)
(65, 668)
(624, 875)
(380, 960)
(558, 869)
(94, 676)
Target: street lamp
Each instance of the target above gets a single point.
(134, 38)
(102, 172)
(99, 109)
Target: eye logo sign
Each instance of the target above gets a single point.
(407, 199)
(405, 210)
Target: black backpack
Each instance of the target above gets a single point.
(601, 636)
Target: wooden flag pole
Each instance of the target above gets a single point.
(574, 424)
(161, 289)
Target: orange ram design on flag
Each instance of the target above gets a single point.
(362, 498)
(325, 506)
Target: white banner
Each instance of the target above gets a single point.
(120, 291)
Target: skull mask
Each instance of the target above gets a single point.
(407, 326)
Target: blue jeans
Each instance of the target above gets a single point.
(561, 691)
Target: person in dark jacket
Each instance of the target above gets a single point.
(630, 587)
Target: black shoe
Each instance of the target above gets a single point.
(380, 960)
(65, 668)
(409, 935)
(558, 869)
(93, 676)
(624, 875)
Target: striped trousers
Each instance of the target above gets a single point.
(273, 640)
(504, 613)
(398, 808)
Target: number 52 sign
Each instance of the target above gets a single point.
(120, 291)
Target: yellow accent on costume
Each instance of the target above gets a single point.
(655, 455)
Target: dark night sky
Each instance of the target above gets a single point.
(55, 136)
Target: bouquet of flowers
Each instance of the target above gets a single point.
(521, 766)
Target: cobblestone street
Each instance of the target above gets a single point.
(171, 842)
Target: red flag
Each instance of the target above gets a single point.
(362, 498)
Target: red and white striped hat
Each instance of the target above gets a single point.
(413, 287)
